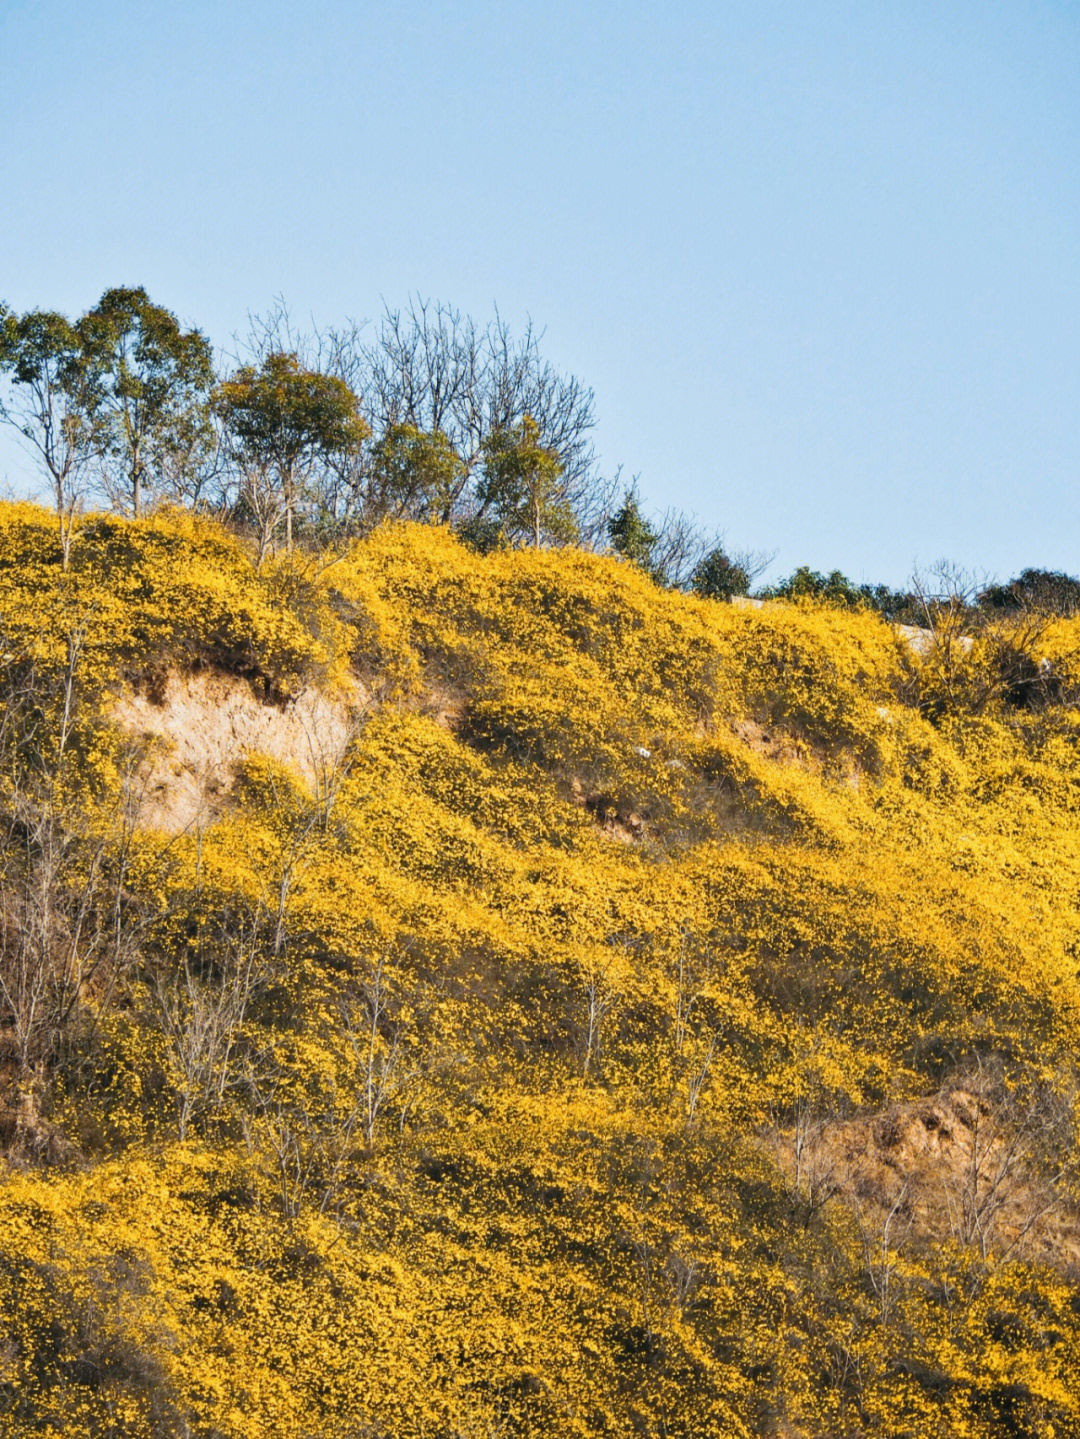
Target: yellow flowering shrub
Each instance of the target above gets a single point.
(460, 1097)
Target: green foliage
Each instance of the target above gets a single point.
(522, 487)
(50, 403)
(632, 536)
(149, 383)
(38, 344)
(896, 606)
(413, 475)
(1048, 591)
(280, 418)
(807, 584)
(483, 534)
(716, 577)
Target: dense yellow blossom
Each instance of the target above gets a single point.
(629, 880)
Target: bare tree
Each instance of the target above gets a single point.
(433, 368)
(1009, 637)
(698, 1077)
(679, 547)
(257, 499)
(68, 925)
(437, 388)
(287, 1131)
(686, 1277)
(944, 597)
(600, 994)
(816, 1176)
(294, 820)
(312, 1138)
(880, 1242)
(1018, 1157)
(676, 551)
(802, 1128)
(376, 1046)
(946, 594)
(390, 1056)
(44, 915)
(202, 1004)
(692, 976)
(332, 760)
(694, 1043)
(189, 462)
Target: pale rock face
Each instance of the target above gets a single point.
(207, 722)
(921, 642)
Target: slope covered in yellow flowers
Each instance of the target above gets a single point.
(513, 1075)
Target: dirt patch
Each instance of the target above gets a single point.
(618, 821)
(782, 747)
(773, 743)
(26, 1136)
(201, 724)
(956, 1166)
(443, 704)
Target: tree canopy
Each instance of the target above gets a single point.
(631, 535)
(283, 420)
(524, 487)
(43, 356)
(148, 379)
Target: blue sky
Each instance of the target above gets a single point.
(819, 261)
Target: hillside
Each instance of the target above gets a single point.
(456, 995)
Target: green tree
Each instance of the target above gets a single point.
(632, 536)
(414, 474)
(150, 377)
(522, 487)
(436, 369)
(718, 577)
(806, 584)
(282, 421)
(1049, 591)
(46, 401)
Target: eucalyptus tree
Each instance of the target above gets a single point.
(149, 385)
(412, 475)
(45, 399)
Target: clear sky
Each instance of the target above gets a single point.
(819, 261)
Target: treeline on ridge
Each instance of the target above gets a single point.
(315, 438)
